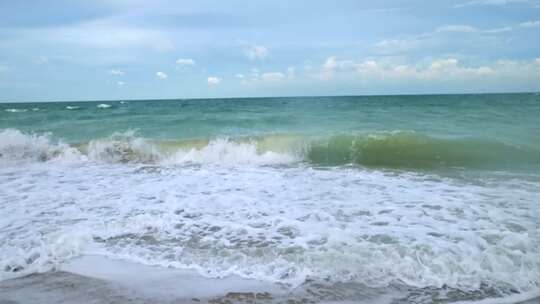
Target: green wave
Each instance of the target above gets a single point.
(413, 150)
(401, 149)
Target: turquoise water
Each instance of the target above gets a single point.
(419, 198)
(499, 131)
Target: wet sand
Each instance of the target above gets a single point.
(95, 279)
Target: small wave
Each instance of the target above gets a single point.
(35, 109)
(72, 108)
(103, 106)
(16, 110)
(15, 262)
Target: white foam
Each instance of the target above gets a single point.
(45, 255)
(16, 110)
(236, 216)
(225, 152)
(122, 148)
(277, 224)
(16, 145)
(103, 106)
(72, 107)
(127, 147)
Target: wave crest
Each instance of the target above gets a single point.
(407, 150)
(412, 150)
(224, 151)
(16, 145)
(123, 148)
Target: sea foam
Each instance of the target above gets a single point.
(286, 225)
(16, 145)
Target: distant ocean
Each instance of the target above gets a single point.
(439, 194)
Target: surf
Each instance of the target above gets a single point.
(397, 150)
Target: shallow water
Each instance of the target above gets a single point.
(437, 193)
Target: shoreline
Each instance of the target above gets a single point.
(98, 279)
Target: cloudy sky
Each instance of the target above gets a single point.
(120, 49)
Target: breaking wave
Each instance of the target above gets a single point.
(407, 150)
(16, 145)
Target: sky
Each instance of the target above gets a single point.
(66, 50)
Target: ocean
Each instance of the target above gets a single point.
(433, 197)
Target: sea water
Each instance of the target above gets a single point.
(434, 193)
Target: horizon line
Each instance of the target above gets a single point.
(271, 97)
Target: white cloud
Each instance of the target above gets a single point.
(495, 3)
(440, 69)
(256, 52)
(254, 72)
(272, 76)
(255, 76)
(331, 65)
(162, 75)
(499, 30)
(457, 28)
(535, 23)
(291, 72)
(213, 80)
(443, 63)
(116, 72)
(444, 69)
(41, 60)
(120, 83)
(103, 34)
(472, 29)
(448, 36)
(328, 68)
(185, 62)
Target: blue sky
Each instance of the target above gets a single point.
(120, 49)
